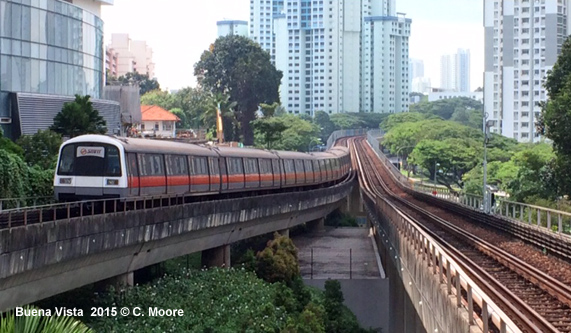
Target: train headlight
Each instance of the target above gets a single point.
(112, 181)
(65, 181)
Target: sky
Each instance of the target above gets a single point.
(179, 31)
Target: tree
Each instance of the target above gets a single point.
(160, 98)
(145, 83)
(237, 66)
(399, 118)
(452, 157)
(41, 149)
(78, 118)
(278, 261)
(269, 110)
(555, 118)
(271, 129)
(445, 108)
(325, 124)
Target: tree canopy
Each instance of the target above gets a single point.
(145, 83)
(41, 148)
(237, 66)
(555, 119)
(78, 118)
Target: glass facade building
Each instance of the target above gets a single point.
(48, 47)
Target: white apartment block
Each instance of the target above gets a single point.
(522, 41)
(455, 71)
(132, 55)
(232, 27)
(336, 56)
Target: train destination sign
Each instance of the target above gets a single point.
(90, 151)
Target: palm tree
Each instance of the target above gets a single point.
(38, 324)
(208, 118)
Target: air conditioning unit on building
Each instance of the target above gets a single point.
(5, 120)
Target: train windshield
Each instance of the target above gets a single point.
(89, 159)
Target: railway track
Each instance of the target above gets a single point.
(11, 218)
(535, 301)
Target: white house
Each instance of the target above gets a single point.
(158, 122)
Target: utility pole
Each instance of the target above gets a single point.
(487, 125)
(219, 128)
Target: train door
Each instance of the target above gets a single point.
(277, 175)
(152, 175)
(223, 174)
(214, 174)
(133, 174)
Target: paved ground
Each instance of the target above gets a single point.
(341, 253)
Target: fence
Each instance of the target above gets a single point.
(543, 217)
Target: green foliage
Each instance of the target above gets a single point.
(400, 118)
(78, 118)
(270, 129)
(278, 261)
(299, 134)
(339, 219)
(527, 174)
(13, 176)
(40, 182)
(338, 319)
(237, 66)
(40, 324)
(357, 120)
(9, 146)
(145, 83)
(215, 300)
(453, 156)
(269, 110)
(41, 149)
(160, 98)
(446, 108)
(325, 124)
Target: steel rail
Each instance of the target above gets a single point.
(509, 300)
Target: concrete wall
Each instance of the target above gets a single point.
(368, 300)
(42, 260)
(418, 301)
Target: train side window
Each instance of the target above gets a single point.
(157, 165)
(112, 162)
(308, 166)
(239, 166)
(214, 167)
(251, 165)
(202, 165)
(132, 161)
(151, 164)
(176, 165)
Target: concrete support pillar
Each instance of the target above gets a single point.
(355, 201)
(284, 232)
(317, 225)
(216, 257)
(118, 282)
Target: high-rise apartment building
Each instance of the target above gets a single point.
(522, 41)
(132, 55)
(232, 27)
(415, 68)
(455, 71)
(336, 56)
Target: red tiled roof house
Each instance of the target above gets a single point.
(158, 121)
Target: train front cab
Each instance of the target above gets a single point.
(90, 168)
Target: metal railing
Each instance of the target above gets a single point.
(445, 267)
(16, 203)
(344, 133)
(547, 218)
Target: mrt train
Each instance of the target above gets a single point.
(98, 166)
